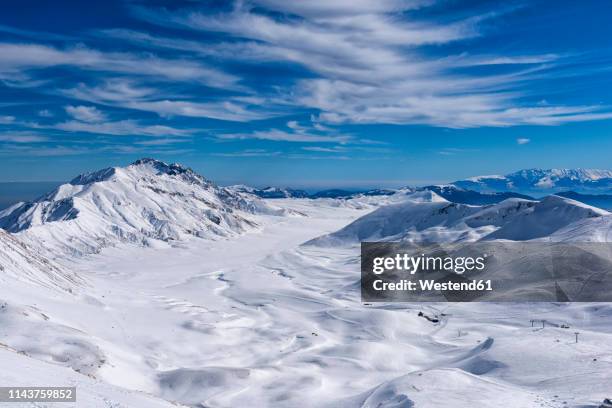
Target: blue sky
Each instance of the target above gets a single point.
(344, 93)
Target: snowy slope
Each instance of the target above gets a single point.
(276, 322)
(424, 214)
(434, 219)
(598, 229)
(547, 216)
(446, 387)
(20, 371)
(262, 321)
(146, 201)
(542, 181)
(20, 263)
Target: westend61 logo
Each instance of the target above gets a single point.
(486, 271)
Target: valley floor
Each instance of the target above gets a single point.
(262, 321)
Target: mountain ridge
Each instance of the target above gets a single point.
(431, 218)
(144, 201)
(545, 181)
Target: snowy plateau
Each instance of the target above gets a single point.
(150, 286)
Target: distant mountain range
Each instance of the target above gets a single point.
(276, 192)
(540, 181)
(593, 187)
(150, 200)
(480, 189)
(270, 192)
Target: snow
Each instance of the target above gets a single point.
(261, 320)
(146, 201)
(20, 263)
(91, 392)
(426, 217)
(597, 229)
(546, 217)
(250, 316)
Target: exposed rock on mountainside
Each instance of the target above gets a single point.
(147, 200)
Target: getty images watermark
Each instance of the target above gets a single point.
(486, 271)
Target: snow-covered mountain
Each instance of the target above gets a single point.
(348, 194)
(19, 263)
(456, 194)
(427, 217)
(183, 323)
(269, 192)
(145, 201)
(542, 181)
(277, 192)
(597, 229)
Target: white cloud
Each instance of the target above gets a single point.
(6, 120)
(299, 156)
(522, 140)
(292, 124)
(366, 62)
(19, 57)
(370, 65)
(52, 151)
(119, 128)
(22, 137)
(85, 113)
(91, 120)
(111, 91)
(249, 153)
(326, 8)
(297, 133)
(451, 151)
(283, 136)
(321, 149)
(226, 110)
(45, 113)
(127, 94)
(162, 141)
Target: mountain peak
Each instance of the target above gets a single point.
(147, 165)
(162, 167)
(147, 160)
